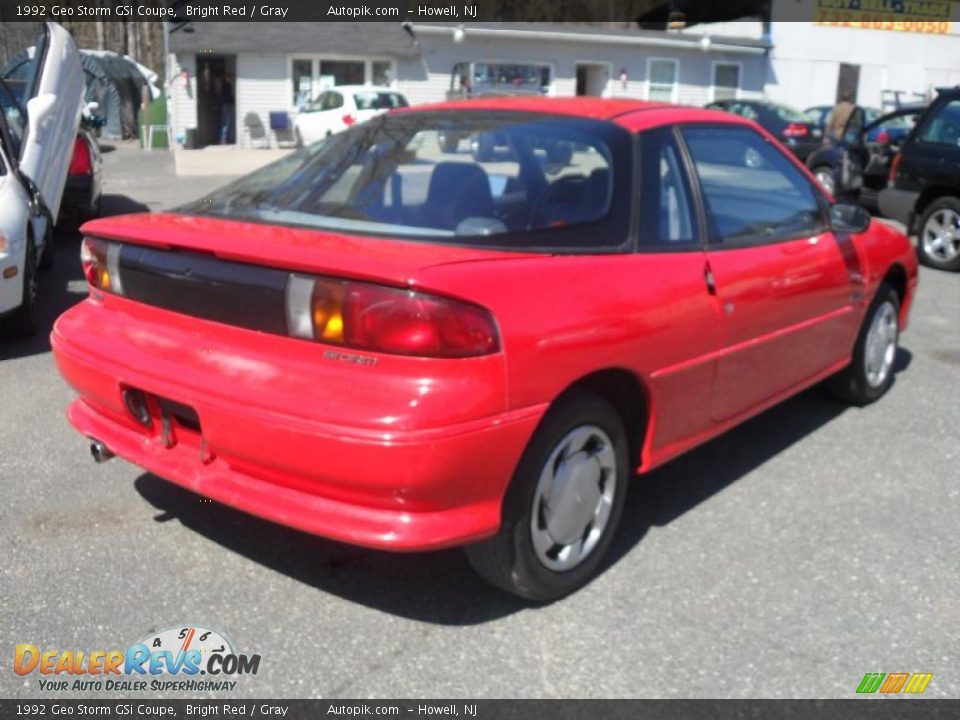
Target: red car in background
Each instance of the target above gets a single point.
(382, 340)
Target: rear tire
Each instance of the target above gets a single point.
(23, 322)
(938, 239)
(870, 374)
(563, 504)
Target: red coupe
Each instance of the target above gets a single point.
(385, 340)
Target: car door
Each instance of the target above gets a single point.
(671, 282)
(783, 282)
(46, 82)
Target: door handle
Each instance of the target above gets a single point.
(709, 280)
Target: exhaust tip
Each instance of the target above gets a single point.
(100, 452)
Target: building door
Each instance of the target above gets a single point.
(848, 79)
(216, 99)
(592, 79)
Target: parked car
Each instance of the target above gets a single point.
(339, 108)
(790, 126)
(39, 113)
(924, 185)
(895, 131)
(375, 343)
(84, 187)
(856, 168)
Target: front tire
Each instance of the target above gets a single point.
(938, 241)
(563, 504)
(870, 374)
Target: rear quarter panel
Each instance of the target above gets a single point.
(562, 318)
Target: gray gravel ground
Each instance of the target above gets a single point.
(785, 559)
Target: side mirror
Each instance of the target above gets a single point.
(846, 217)
(40, 107)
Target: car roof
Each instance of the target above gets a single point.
(634, 115)
(363, 88)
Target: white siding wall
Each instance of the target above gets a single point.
(262, 87)
(263, 83)
(805, 62)
(429, 80)
(184, 97)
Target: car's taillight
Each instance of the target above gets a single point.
(349, 119)
(80, 162)
(795, 130)
(365, 316)
(100, 262)
(894, 167)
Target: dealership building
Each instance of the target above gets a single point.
(804, 53)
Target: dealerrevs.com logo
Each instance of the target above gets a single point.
(167, 661)
(894, 683)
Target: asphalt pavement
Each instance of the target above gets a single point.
(787, 558)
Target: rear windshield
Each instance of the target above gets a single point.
(379, 100)
(466, 177)
(789, 114)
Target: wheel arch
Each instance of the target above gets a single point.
(629, 396)
(896, 277)
(929, 195)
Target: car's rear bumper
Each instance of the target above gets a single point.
(417, 489)
(898, 205)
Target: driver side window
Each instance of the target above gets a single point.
(752, 193)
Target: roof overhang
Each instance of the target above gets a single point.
(635, 38)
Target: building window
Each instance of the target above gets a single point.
(341, 72)
(726, 81)
(382, 71)
(310, 76)
(662, 79)
(303, 91)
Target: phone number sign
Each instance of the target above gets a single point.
(918, 16)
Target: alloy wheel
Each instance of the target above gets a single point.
(941, 235)
(881, 344)
(573, 498)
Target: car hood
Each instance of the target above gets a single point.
(300, 249)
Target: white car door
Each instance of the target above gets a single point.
(50, 85)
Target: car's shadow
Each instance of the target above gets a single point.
(440, 587)
(63, 286)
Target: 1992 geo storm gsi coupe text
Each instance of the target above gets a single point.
(385, 340)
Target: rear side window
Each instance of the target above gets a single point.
(667, 214)
(753, 194)
(944, 127)
(379, 101)
(331, 101)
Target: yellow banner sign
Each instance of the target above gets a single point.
(919, 16)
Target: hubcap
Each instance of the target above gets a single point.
(881, 344)
(825, 178)
(573, 498)
(941, 235)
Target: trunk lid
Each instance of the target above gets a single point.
(386, 259)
